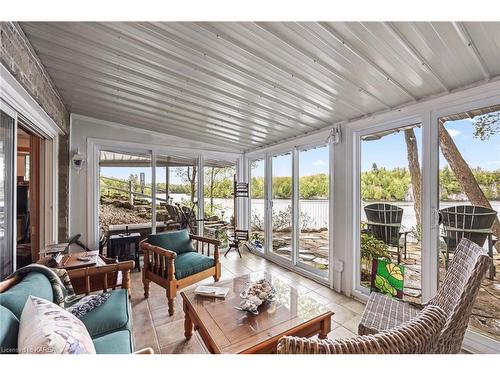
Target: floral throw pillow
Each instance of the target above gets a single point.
(87, 304)
(46, 328)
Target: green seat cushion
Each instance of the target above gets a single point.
(177, 241)
(119, 342)
(9, 326)
(188, 264)
(34, 284)
(113, 315)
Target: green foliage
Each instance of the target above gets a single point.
(282, 221)
(386, 185)
(371, 248)
(489, 181)
(487, 125)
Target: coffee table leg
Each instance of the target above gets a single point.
(188, 324)
(326, 326)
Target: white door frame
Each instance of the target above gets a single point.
(473, 341)
(20, 101)
(360, 291)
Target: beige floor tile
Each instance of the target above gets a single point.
(170, 333)
(355, 306)
(332, 295)
(191, 346)
(341, 314)
(352, 324)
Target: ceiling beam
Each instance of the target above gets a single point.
(288, 72)
(471, 47)
(316, 60)
(405, 43)
(366, 59)
(120, 62)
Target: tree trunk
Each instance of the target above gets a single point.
(415, 176)
(463, 174)
(192, 181)
(212, 183)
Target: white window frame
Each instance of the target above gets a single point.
(473, 341)
(96, 145)
(293, 147)
(331, 207)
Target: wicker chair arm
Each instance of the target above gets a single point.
(419, 335)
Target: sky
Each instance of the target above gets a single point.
(388, 152)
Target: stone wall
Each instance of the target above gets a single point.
(21, 60)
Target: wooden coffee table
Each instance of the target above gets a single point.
(225, 329)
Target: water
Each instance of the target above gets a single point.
(317, 210)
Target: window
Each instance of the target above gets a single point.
(218, 199)
(281, 205)
(314, 176)
(469, 201)
(257, 203)
(390, 202)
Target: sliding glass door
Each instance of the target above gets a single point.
(257, 203)
(125, 187)
(469, 202)
(281, 206)
(7, 256)
(313, 221)
(219, 210)
(389, 203)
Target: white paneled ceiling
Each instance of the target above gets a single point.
(245, 85)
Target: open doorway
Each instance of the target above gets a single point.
(28, 197)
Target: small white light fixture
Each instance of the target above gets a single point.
(335, 135)
(78, 161)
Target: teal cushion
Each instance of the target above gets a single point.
(113, 315)
(119, 342)
(35, 284)
(177, 241)
(188, 264)
(9, 326)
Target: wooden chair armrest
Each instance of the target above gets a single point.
(104, 277)
(212, 241)
(157, 249)
(108, 260)
(144, 351)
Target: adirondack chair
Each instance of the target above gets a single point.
(384, 223)
(471, 222)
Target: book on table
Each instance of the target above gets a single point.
(211, 291)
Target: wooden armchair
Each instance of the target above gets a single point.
(111, 275)
(178, 267)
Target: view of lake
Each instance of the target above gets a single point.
(317, 210)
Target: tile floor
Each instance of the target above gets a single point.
(153, 327)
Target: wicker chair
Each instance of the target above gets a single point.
(455, 296)
(417, 336)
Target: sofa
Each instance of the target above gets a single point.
(109, 325)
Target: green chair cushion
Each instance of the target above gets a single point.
(113, 315)
(119, 342)
(9, 326)
(35, 284)
(177, 241)
(188, 264)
